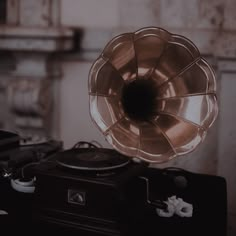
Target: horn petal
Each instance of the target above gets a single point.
(121, 55)
(200, 109)
(183, 135)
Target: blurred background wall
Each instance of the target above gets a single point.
(48, 46)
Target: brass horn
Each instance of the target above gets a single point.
(152, 95)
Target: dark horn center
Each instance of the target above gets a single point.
(139, 99)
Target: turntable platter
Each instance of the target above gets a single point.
(94, 159)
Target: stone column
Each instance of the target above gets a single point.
(34, 37)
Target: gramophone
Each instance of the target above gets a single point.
(153, 97)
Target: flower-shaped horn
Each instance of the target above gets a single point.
(152, 95)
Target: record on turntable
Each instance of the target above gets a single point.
(92, 159)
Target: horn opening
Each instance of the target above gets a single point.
(139, 100)
(152, 95)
